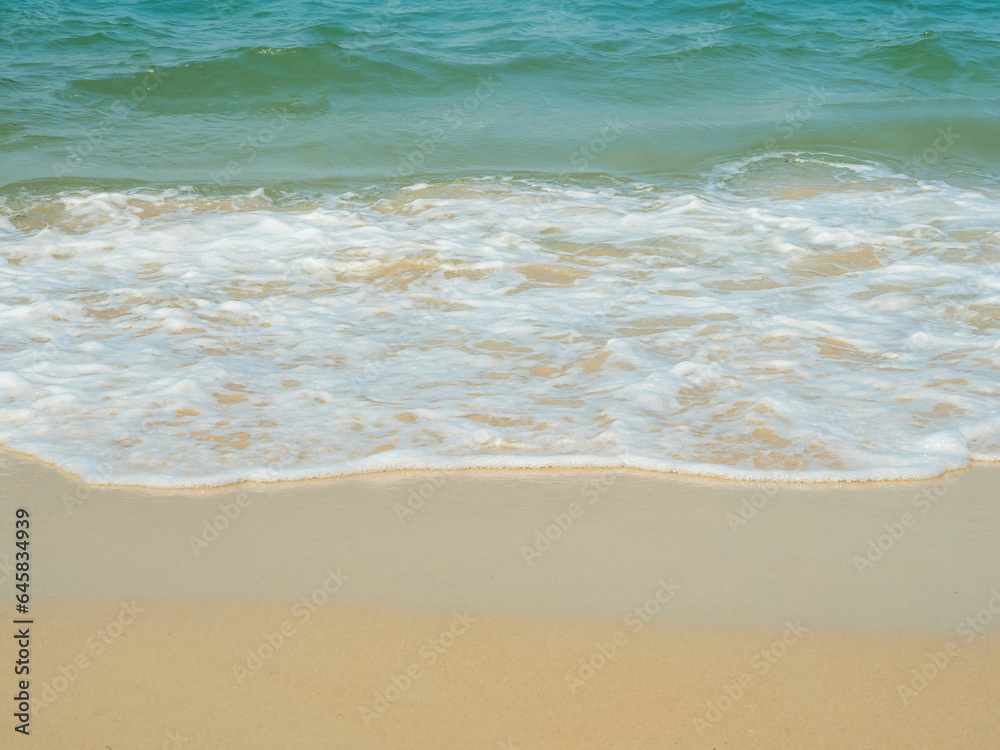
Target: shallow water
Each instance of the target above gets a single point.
(752, 240)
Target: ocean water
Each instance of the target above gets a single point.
(757, 240)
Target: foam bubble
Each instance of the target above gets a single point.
(744, 329)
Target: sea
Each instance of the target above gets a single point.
(755, 240)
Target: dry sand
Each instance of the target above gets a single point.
(427, 610)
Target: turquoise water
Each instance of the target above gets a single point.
(313, 93)
(293, 239)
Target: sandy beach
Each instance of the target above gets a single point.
(500, 376)
(542, 609)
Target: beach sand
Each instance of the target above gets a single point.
(543, 609)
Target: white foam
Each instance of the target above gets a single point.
(743, 333)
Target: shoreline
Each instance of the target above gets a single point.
(511, 610)
(527, 531)
(710, 479)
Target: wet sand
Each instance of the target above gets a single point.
(542, 609)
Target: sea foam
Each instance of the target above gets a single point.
(834, 324)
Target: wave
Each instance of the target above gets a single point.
(792, 317)
(171, 95)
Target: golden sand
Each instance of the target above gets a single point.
(562, 609)
(268, 675)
